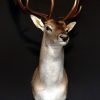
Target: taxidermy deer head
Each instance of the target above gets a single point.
(50, 80)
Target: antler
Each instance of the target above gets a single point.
(74, 11)
(52, 8)
(26, 8)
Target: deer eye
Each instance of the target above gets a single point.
(67, 31)
(48, 29)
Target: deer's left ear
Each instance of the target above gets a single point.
(70, 26)
(37, 22)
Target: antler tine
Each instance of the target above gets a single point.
(26, 8)
(21, 5)
(52, 8)
(74, 11)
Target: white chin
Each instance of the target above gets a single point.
(63, 43)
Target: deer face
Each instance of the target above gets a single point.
(56, 32)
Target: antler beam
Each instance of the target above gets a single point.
(74, 11)
(26, 8)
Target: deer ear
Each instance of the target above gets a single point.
(70, 26)
(37, 22)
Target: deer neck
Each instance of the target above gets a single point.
(51, 63)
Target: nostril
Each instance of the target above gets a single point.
(61, 36)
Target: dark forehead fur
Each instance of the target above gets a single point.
(56, 24)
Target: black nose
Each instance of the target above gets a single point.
(64, 37)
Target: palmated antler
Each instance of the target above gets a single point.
(74, 11)
(26, 8)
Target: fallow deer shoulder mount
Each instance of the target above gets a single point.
(50, 81)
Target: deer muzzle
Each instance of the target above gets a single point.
(63, 37)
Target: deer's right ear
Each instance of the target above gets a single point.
(37, 22)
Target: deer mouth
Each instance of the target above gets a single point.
(64, 42)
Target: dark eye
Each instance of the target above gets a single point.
(48, 28)
(67, 31)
